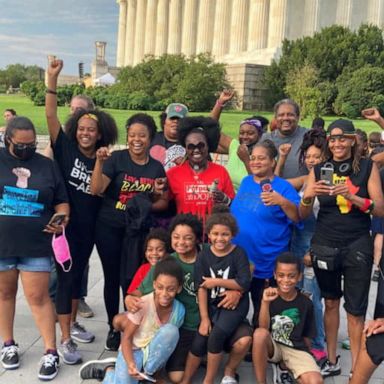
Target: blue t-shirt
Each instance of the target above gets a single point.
(264, 231)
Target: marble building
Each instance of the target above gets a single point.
(244, 34)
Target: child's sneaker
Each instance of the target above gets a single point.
(10, 356)
(80, 334)
(68, 352)
(281, 376)
(49, 366)
(96, 369)
(330, 369)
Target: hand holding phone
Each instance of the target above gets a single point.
(326, 174)
(57, 219)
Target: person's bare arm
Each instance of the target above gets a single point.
(127, 348)
(373, 114)
(225, 96)
(100, 182)
(53, 71)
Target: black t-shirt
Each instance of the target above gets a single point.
(339, 220)
(127, 179)
(169, 153)
(291, 321)
(29, 192)
(77, 171)
(235, 266)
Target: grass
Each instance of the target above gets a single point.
(229, 119)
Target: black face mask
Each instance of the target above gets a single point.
(24, 151)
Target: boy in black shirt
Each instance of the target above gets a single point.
(286, 325)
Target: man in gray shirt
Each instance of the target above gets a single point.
(287, 115)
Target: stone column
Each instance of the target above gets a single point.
(277, 23)
(150, 25)
(310, 22)
(222, 27)
(343, 12)
(174, 35)
(140, 30)
(130, 32)
(375, 13)
(205, 26)
(162, 28)
(121, 32)
(190, 17)
(258, 24)
(239, 26)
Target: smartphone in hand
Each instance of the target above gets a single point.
(57, 219)
(326, 174)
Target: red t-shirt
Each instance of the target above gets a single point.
(191, 190)
(139, 277)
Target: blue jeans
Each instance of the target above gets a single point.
(160, 349)
(310, 285)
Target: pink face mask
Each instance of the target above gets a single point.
(61, 251)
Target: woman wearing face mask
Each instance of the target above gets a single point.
(349, 190)
(265, 207)
(32, 190)
(198, 183)
(250, 131)
(121, 176)
(74, 150)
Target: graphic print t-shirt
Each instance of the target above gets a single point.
(29, 190)
(167, 152)
(338, 219)
(291, 321)
(127, 179)
(77, 171)
(235, 266)
(191, 190)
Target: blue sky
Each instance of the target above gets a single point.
(32, 29)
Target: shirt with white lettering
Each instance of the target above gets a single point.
(77, 170)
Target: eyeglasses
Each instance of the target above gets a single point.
(200, 146)
(22, 146)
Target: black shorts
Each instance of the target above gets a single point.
(375, 348)
(178, 358)
(355, 267)
(243, 330)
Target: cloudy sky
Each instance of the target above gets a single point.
(32, 29)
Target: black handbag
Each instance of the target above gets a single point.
(326, 258)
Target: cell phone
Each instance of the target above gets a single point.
(326, 174)
(146, 377)
(57, 219)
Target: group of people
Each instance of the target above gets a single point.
(194, 246)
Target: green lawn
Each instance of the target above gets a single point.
(230, 119)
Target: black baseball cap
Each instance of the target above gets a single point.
(345, 125)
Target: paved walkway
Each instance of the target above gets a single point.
(31, 345)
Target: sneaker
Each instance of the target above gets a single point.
(329, 369)
(49, 366)
(376, 275)
(84, 310)
(113, 340)
(80, 334)
(229, 380)
(10, 356)
(281, 376)
(68, 352)
(95, 369)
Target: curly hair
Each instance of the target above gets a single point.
(106, 126)
(158, 234)
(144, 119)
(206, 126)
(222, 218)
(316, 137)
(189, 220)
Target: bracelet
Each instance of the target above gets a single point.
(219, 103)
(52, 92)
(306, 202)
(368, 206)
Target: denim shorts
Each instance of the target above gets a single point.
(26, 264)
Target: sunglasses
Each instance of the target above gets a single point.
(200, 146)
(21, 146)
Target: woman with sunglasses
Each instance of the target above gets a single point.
(198, 184)
(349, 190)
(121, 176)
(74, 149)
(32, 190)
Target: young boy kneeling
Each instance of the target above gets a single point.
(151, 334)
(286, 325)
